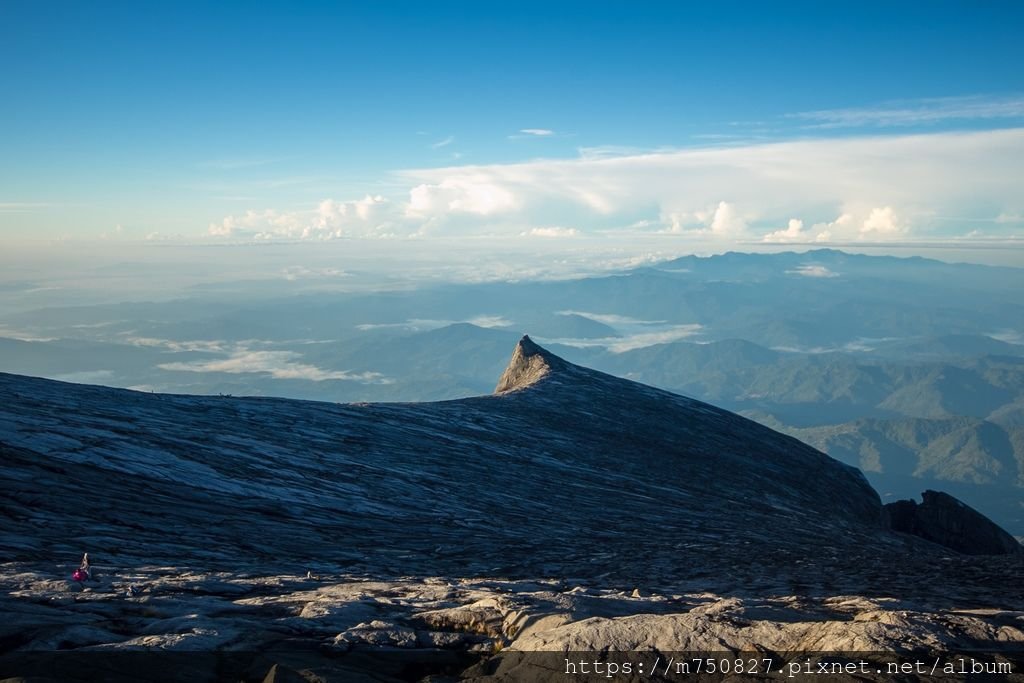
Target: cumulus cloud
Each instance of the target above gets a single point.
(255, 222)
(726, 221)
(721, 220)
(889, 186)
(793, 232)
(913, 174)
(277, 364)
(371, 216)
(466, 195)
(840, 227)
(367, 215)
(860, 223)
(882, 222)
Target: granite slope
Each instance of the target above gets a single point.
(563, 472)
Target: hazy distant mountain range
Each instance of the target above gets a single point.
(911, 369)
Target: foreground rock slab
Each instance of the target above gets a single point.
(338, 627)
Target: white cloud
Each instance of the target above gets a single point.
(882, 223)
(911, 174)
(889, 186)
(812, 270)
(466, 195)
(425, 324)
(726, 221)
(360, 217)
(1008, 336)
(277, 364)
(840, 227)
(537, 132)
(721, 221)
(490, 321)
(371, 216)
(636, 340)
(553, 231)
(413, 325)
(612, 319)
(201, 345)
(794, 231)
(878, 223)
(443, 143)
(256, 222)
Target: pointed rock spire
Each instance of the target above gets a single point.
(529, 364)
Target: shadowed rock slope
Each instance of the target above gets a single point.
(286, 540)
(565, 472)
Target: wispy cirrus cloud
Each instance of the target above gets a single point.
(526, 133)
(917, 112)
(443, 143)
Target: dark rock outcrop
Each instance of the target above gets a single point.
(941, 518)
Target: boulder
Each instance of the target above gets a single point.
(941, 518)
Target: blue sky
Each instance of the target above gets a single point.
(743, 122)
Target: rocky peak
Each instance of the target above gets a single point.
(529, 364)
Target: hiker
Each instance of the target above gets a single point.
(84, 572)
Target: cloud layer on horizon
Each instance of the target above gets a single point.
(876, 189)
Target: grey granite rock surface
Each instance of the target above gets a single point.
(570, 509)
